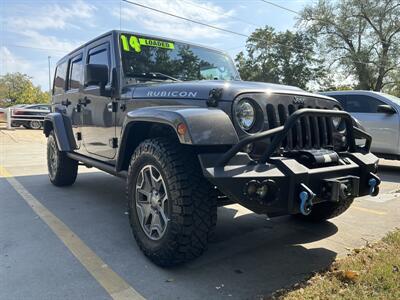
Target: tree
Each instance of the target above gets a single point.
(19, 89)
(286, 58)
(393, 87)
(362, 35)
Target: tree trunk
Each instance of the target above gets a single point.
(382, 68)
(363, 77)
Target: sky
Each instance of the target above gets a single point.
(31, 31)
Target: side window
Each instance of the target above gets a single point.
(99, 57)
(362, 104)
(75, 74)
(59, 78)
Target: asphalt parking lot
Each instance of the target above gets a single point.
(52, 240)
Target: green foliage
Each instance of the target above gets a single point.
(362, 36)
(19, 89)
(280, 57)
(369, 273)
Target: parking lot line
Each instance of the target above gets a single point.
(371, 211)
(115, 286)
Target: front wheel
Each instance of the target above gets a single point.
(62, 169)
(172, 207)
(327, 210)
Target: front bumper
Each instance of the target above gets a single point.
(278, 185)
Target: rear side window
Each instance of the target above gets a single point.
(362, 104)
(59, 79)
(75, 74)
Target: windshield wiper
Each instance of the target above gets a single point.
(152, 75)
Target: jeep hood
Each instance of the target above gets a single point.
(199, 90)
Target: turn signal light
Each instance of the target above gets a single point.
(181, 128)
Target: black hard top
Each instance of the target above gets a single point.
(117, 32)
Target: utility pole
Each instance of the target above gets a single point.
(49, 57)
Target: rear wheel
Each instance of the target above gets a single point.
(327, 210)
(62, 169)
(172, 207)
(35, 124)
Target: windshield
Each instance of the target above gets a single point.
(150, 59)
(391, 98)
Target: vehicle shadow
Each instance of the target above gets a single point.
(390, 173)
(249, 257)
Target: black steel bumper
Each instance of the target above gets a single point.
(279, 185)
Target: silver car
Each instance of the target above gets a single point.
(379, 113)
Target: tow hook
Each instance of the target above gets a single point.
(374, 185)
(306, 197)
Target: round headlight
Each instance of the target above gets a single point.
(336, 120)
(245, 114)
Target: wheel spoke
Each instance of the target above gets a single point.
(163, 200)
(144, 211)
(155, 224)
(145, 193)
(163, 216)
(156, 182)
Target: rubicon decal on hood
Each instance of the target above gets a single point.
(182, 94)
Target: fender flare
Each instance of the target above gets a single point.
(205, 126)
(62, 127)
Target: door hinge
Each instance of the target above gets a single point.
(114, 142)
(114, 106)
(79, 136)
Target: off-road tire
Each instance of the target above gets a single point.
(65, 169)
(326, 210)
(192, 203)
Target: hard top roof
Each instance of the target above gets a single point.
(117, 32)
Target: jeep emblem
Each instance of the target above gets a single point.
(298, 100)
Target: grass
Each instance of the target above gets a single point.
(372, 272)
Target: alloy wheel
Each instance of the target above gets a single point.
(152, 202)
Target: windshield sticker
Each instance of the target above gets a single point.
(135, 43)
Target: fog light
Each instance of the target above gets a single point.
(262, 191)
(252, 188)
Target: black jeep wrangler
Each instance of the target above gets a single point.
(175, 120)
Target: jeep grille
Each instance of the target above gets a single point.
(309, 132)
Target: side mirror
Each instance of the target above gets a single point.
(96, 75)
(386, 109)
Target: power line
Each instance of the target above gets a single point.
(223, 14)
(219, 28)
(204, 24)
(281, 7)
(187, 19)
